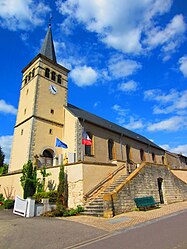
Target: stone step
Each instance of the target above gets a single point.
(92, 214)
(93, 207)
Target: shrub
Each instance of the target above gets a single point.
(28, 180)
(8, 204)
(51, 195)
(2, 198)
(72, 211)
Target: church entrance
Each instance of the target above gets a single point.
(47, 157)
(160, 189)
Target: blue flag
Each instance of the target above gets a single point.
(59, 143)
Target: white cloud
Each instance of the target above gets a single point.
(172, 102)
(96, 104)
(120, 111)
(6, 144)
(160, 96)
(120, 67)
(178, 149)
(170, 37)
(7, 108)
(129, 86)
(127, 26)
(22, 14)
(171, 124)
(183, 65)
(134, 124)
(126, 120)
(83, 76)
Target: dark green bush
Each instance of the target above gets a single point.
(72, 211)
(2, 198)
(51, 195)
(8, 204)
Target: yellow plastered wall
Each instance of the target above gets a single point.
(11, 182)
(93, 174)
(69, 131)
(43, 139)
(21, 146)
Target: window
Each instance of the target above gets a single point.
(111, 152)
(163, 160)
(22, 132)
(27, 91)
(153, 157)
(50, 131)
(25, 110)
(25, 80)
(53, 76)
(128, 153)
(89, 148)
(29, 76)
(47, 71)
(59, 79)
(142, 155)
(33, 72)
(52, 111)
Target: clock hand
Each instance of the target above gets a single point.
(54, 89)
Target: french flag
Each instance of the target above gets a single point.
(86, 140)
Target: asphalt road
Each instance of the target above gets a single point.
(32, 233)
(166, 233)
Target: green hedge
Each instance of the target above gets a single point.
(52, 195)
(8, 204)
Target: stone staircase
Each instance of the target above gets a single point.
(95, 207)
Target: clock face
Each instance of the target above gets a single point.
(53, 89)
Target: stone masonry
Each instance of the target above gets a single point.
(144, 182)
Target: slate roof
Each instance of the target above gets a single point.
(89, 117)
(47, 48)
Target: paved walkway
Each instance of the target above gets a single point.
(129, 219)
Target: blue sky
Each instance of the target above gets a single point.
(128, 61)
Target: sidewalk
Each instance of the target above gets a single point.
(129, 219)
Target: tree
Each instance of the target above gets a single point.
(2, 157)
(3, 166)
(28, 180)
(41, 184)
(61, 188)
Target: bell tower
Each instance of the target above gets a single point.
(40, 117)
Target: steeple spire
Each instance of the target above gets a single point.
(47, 48)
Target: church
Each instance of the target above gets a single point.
(107, 166)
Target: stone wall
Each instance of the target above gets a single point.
(144, 183)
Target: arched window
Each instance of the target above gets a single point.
(89, 148)
(163, 160)
(59, 79)
(25, 80)
(53, 76)
(47, 157)
(153, 157)
(142, 155)
(47, 153)
(128, 153)
(47, 71)
(33, 72)
(111, 149)
(29, 76)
